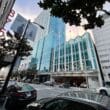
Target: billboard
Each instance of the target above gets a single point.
(19, 25)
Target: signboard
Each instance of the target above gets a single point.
(19, 24)
(5, 9)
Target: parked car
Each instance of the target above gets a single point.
(28, 81)
(65, 85)
(72, 101)
(104, 90)
(49, 83)
(83, 85)
(36, 81)
(19, 95)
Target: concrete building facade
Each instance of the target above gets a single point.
(102, 41)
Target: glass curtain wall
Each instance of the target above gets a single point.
(54, 38)
(80, 55)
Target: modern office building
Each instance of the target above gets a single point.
(45, 42)
(5, 8)
(102, 41)
(47, 39)
(79, 55)
(76, 61)
(55, 37)
(71, 61)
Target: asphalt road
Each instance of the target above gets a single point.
(44, 91)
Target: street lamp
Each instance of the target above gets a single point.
(17, 55)
(100, 68)
(39, 25)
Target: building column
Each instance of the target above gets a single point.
(53, 67)
(59, 52)
(89, 49)
(80, 56)
(72, 57)
(65, 55)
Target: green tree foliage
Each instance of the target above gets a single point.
(73, 11)
(11, 44)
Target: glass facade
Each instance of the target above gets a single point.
(53, 54)
(55, 37)
(77, 54)
(46, 44)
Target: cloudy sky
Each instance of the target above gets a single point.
(27, 8)
(30, 10)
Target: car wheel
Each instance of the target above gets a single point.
(103, 92)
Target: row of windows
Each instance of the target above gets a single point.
(75, 48)
(105, 61)
(106, 67)
(104, 55)
(86, 64)
(76, 57)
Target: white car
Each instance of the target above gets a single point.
(49, 83)
(104, 90)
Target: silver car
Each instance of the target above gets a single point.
(73, 101)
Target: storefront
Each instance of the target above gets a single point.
(89, 78)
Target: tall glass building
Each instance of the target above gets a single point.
(53, 37)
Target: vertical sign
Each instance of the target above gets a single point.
(19, 24)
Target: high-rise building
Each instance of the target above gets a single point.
(5, 8)
(102, 41)
(53, 35)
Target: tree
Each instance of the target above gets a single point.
(15, 46)
(73, 11)
(8, 47)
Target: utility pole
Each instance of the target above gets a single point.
(100, 68)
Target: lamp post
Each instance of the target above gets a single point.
(17, 55)
(100, 68)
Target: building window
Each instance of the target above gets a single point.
(76, 47)
(77, 56)
(84, 45)
(109, 75)
(86, 55)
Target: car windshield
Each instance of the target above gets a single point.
(55, 46)
(25, 87)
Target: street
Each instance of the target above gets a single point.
(44, 91)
